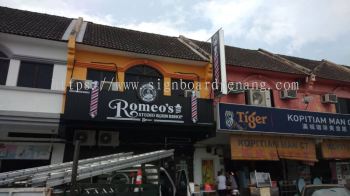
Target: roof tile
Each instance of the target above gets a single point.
(323, 69)
(136, 41)
(251, 58)
(32, 24)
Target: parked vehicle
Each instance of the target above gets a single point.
(324, 190)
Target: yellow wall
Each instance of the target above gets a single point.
(85, 59)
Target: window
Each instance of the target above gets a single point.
(343, 106)
(100, 75)
(4, 67)
(142, 74)
(35, 75)
(179, 86)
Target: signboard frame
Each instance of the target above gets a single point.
(282, 131)
(115, 106)
(219, 62)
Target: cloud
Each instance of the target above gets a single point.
(167, 28)
(171, 24)
(296, 22)
(232, 16)
(64, 8)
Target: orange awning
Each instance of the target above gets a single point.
(335, 149)
(254, 147)
(301, 149)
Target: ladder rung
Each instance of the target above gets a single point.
(59, 174)
(31, 171)
(108, 169)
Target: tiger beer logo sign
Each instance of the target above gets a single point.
(250, 119)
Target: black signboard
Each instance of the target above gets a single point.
(114, 106)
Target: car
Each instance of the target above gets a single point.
(324, 190)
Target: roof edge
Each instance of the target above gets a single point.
(285, 61)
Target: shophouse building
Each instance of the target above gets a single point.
(283, 115)
(33, 55)
(133, 91)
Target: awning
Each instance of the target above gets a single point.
(302, 149)
(254, 147)
(335, 149)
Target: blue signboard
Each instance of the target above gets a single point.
(233, 117)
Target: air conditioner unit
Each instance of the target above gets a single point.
(108, 138)
(329, 98)
(189, 93)
(235, 88)
(86, 137)
(288, 94)
(259, 97)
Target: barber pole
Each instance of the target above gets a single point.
(94, 99)
(194, 107)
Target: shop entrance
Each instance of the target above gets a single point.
(272, 167)
(242, 170)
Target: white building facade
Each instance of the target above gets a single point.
(32, 82)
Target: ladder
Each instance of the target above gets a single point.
(59, 174)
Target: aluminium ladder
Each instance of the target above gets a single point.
(59, 174)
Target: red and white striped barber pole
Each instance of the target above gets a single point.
(94, 99)
(194, 107)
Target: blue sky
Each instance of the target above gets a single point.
(314, 29)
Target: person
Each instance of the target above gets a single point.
(233, 184)
(221, 183)
(228, 183)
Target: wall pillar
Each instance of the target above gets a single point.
(58, 77)
(167, 86)
(13, 71)
(57, 153)
(121, 80)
